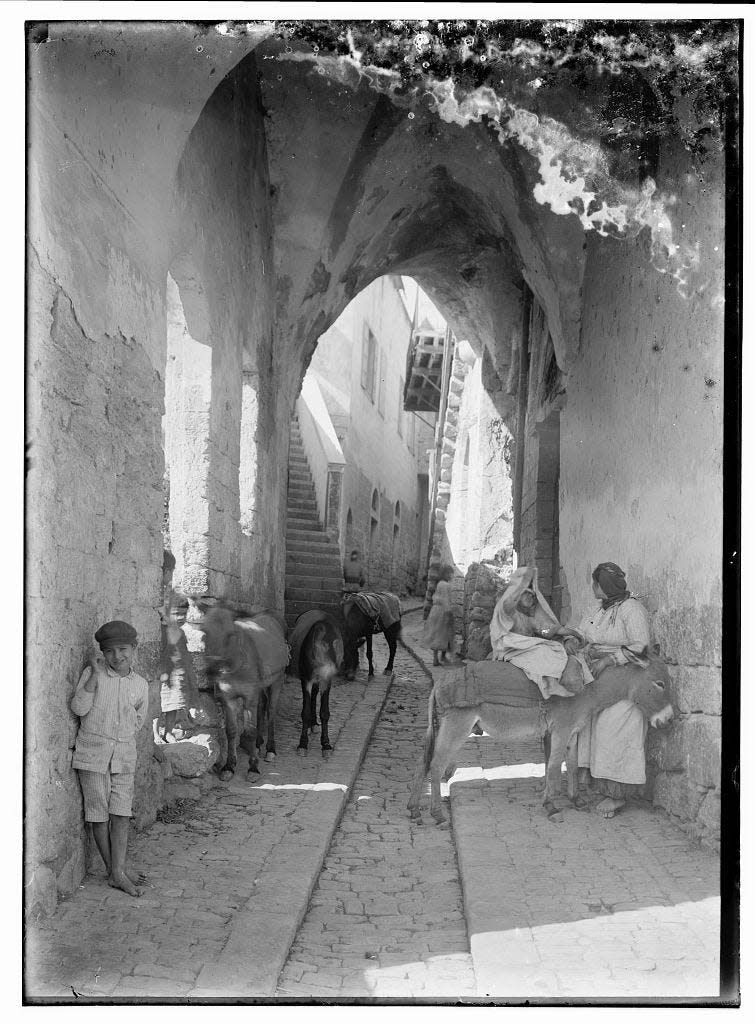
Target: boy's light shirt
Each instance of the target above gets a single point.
(111, 716)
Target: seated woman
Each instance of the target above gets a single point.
(522, 631)
(614, 747)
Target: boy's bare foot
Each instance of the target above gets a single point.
(136, 877)
(123, 882)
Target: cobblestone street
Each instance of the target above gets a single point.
(314, 883)
(386, 918)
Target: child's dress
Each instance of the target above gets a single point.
(440, 627)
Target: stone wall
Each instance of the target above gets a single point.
(641, 479)
(105, 230)
(483, 585)
(479, 514)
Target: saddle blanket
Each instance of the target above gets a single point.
(484, 682)
(382, 605)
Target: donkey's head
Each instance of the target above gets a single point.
(650, 689)
(222, 639)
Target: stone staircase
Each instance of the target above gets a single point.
(314, 575)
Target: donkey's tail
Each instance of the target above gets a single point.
(431, 732)
(423, 766)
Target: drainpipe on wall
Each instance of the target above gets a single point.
(521, 414)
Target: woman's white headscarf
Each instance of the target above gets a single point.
(502, 623)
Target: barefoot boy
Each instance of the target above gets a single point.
(112, 702)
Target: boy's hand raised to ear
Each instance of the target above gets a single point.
(91, 667)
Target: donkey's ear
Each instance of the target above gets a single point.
(635, 658)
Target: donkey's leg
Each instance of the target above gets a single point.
(305, 715)
(325, 718)
(370, 667)
(350, 657)
(572, 786)
(313, 723)
(559, 743)
(251, 740)
(273, 695)
(390, 635)
(453, 730)
(231, 739)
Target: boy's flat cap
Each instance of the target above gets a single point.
(115, 632)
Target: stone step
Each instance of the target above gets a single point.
(307, 581)
(307, 538)
(307, 559)
(311, 596)
(305, 505)
(324, 577)
(310, 555)
(293, 609)
(299, 523)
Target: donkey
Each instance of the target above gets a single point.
(365, 614)
(316, 655)
(644, 680)
(246, 658)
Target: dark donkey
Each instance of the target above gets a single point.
(245, 657)
(365, 614)
(316, 645)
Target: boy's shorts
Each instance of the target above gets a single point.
(106, 793)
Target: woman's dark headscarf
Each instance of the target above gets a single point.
(612, 581)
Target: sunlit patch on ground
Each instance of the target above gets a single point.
(501, 771)
(314, 787)
(615, 953)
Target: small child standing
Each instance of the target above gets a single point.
(178, 681)
(112, 702)
(440, 628)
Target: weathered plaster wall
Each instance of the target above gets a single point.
(479, 513)
(377, 455)
(101, 241)
(641, 466)
(223, 209)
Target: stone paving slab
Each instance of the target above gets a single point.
(619, 909)
(386, 919)
(229, 882)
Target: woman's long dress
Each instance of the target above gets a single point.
(614, 749)
(440, 626)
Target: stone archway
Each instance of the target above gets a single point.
(294, 177)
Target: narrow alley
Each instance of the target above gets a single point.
(313, 883)
(427, 330)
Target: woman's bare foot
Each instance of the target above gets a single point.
(123, 882)
(609, 807)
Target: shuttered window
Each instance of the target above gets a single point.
(369, 355)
